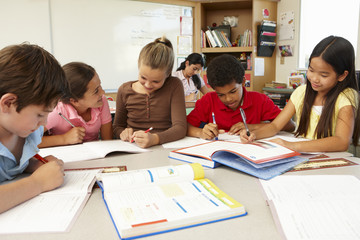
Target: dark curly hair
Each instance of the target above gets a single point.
(223, 70)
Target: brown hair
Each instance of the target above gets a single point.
(78, 75)
(158, 55)
(32, 74)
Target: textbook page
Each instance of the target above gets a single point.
(315, 207)
(184, 142)
(53, 211)
(140, 210)
(168, 174)
(90, 150)
(191, 141)
(257, 152)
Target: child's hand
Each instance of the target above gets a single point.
(210, 131)
(236, 128)
(50, 175)
(290, 145)
(74, 135)
(144, 140)
(126, 135)
(245, 138)
(35, 163)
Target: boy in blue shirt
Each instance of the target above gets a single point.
(31, 83)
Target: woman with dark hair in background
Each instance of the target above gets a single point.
(188, 73)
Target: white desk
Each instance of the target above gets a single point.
(94, 222)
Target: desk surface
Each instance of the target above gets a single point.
(94, 221)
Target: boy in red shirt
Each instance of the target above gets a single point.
(225, 75)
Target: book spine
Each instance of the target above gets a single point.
(217, 40)
(211, 38)
(222, 39)
(226, 39)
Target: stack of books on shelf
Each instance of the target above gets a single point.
(202, 39)
(275, 85)
(278, 99)
(215, 38)
(245, 40)
(266, 38)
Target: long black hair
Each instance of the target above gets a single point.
(194, 58)
(339, 53)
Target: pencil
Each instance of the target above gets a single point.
(40, 158)
(67, 120)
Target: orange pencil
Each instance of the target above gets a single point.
(40, 158)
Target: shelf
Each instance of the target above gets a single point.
(279, 90)
(226, 49)
(227, 5)
(249, 14)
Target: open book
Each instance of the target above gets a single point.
(156, 200)
(262, 159)
(53, 211)
(315, 207)
(90, 150)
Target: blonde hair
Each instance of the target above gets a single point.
(158, 54)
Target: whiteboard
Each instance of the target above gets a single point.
(109, 34)
(25, 21)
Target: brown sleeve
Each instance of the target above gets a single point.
(120, 119)
(178, 114)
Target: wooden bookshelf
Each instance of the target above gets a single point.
(226, 49)
(249, 13)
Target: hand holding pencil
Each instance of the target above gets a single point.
(133, 135)
(145, 139)
(74, 135)
(50, 175)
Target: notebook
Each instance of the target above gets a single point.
(53, 211)
(315, 206)
(91, 150)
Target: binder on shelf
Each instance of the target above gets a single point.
(266, 38)
(268, 26)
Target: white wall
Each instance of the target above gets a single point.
(106, 34)
(291, 63)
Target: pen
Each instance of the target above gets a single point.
(66, 119)
(40, 158)
(148, 130)
(214, 122)
(244, 121)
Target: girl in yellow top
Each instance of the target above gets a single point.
(327, 107)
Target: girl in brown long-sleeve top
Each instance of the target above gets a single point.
(155, 100)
